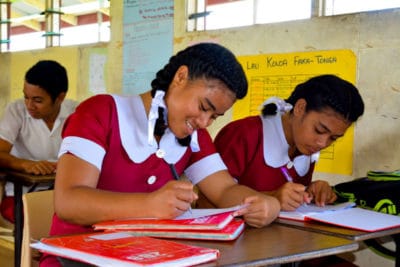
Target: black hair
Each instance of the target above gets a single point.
(269, 109)
(326, 91)
(50, 75)
(204, 60)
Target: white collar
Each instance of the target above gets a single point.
(276, 147)
(133, 127)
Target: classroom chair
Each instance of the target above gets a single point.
(6, 247)
(38, 213)
(4, 223)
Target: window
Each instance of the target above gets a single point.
(336, 7)
(80, 22)
(225, 15)
(282, 10)
(220, 14)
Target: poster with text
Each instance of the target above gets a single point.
(278, 74)
(148, 42)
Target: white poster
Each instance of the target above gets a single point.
(148, 42)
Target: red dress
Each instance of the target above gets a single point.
(126, 161)
(254, 148)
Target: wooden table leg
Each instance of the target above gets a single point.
(18, 213)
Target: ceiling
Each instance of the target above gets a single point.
(28, 15)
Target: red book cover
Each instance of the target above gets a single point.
(123, 249)
(228, 233)
(211, 222)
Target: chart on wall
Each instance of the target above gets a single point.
(148, 28)
(278, 74)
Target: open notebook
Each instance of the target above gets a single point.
(344, 215)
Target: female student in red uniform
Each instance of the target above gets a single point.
(287, 137)
(117, 152)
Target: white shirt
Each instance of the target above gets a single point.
(30, 137)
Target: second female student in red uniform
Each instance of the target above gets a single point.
(288, 136)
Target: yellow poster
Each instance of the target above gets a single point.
(278, 74)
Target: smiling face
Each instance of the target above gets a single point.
(195, 104)
(39, 103)
(313, 131)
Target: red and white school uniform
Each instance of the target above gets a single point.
(254, 149)
(111, 132)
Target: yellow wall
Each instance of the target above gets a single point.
(21, 62)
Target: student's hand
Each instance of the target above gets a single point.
(322, 193)
(259, 210)
(171, 200)
(39, 167)
(291, 196)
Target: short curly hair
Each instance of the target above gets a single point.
(204, 60)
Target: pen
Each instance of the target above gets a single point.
(286, 173)
(173, 170)
(289, 178)
(176, 177)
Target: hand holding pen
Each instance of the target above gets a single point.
(176, 177)
(292, 195)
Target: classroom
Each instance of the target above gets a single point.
(371, 39)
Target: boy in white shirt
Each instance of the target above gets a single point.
(30, 130)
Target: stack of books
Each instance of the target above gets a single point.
(203, 224)
(133, 242)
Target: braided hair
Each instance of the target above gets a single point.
(204, 60)
(330, 91)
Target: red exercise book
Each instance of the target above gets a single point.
(228, 233)
(123, 249)
(209, 222)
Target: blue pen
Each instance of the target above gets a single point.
(176, 177)
(286, 173)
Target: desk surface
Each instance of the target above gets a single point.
(27, 179)
(275, 244)
(342, 232)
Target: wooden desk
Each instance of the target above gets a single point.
(275, 244)
(343, 232)
(19, 180)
